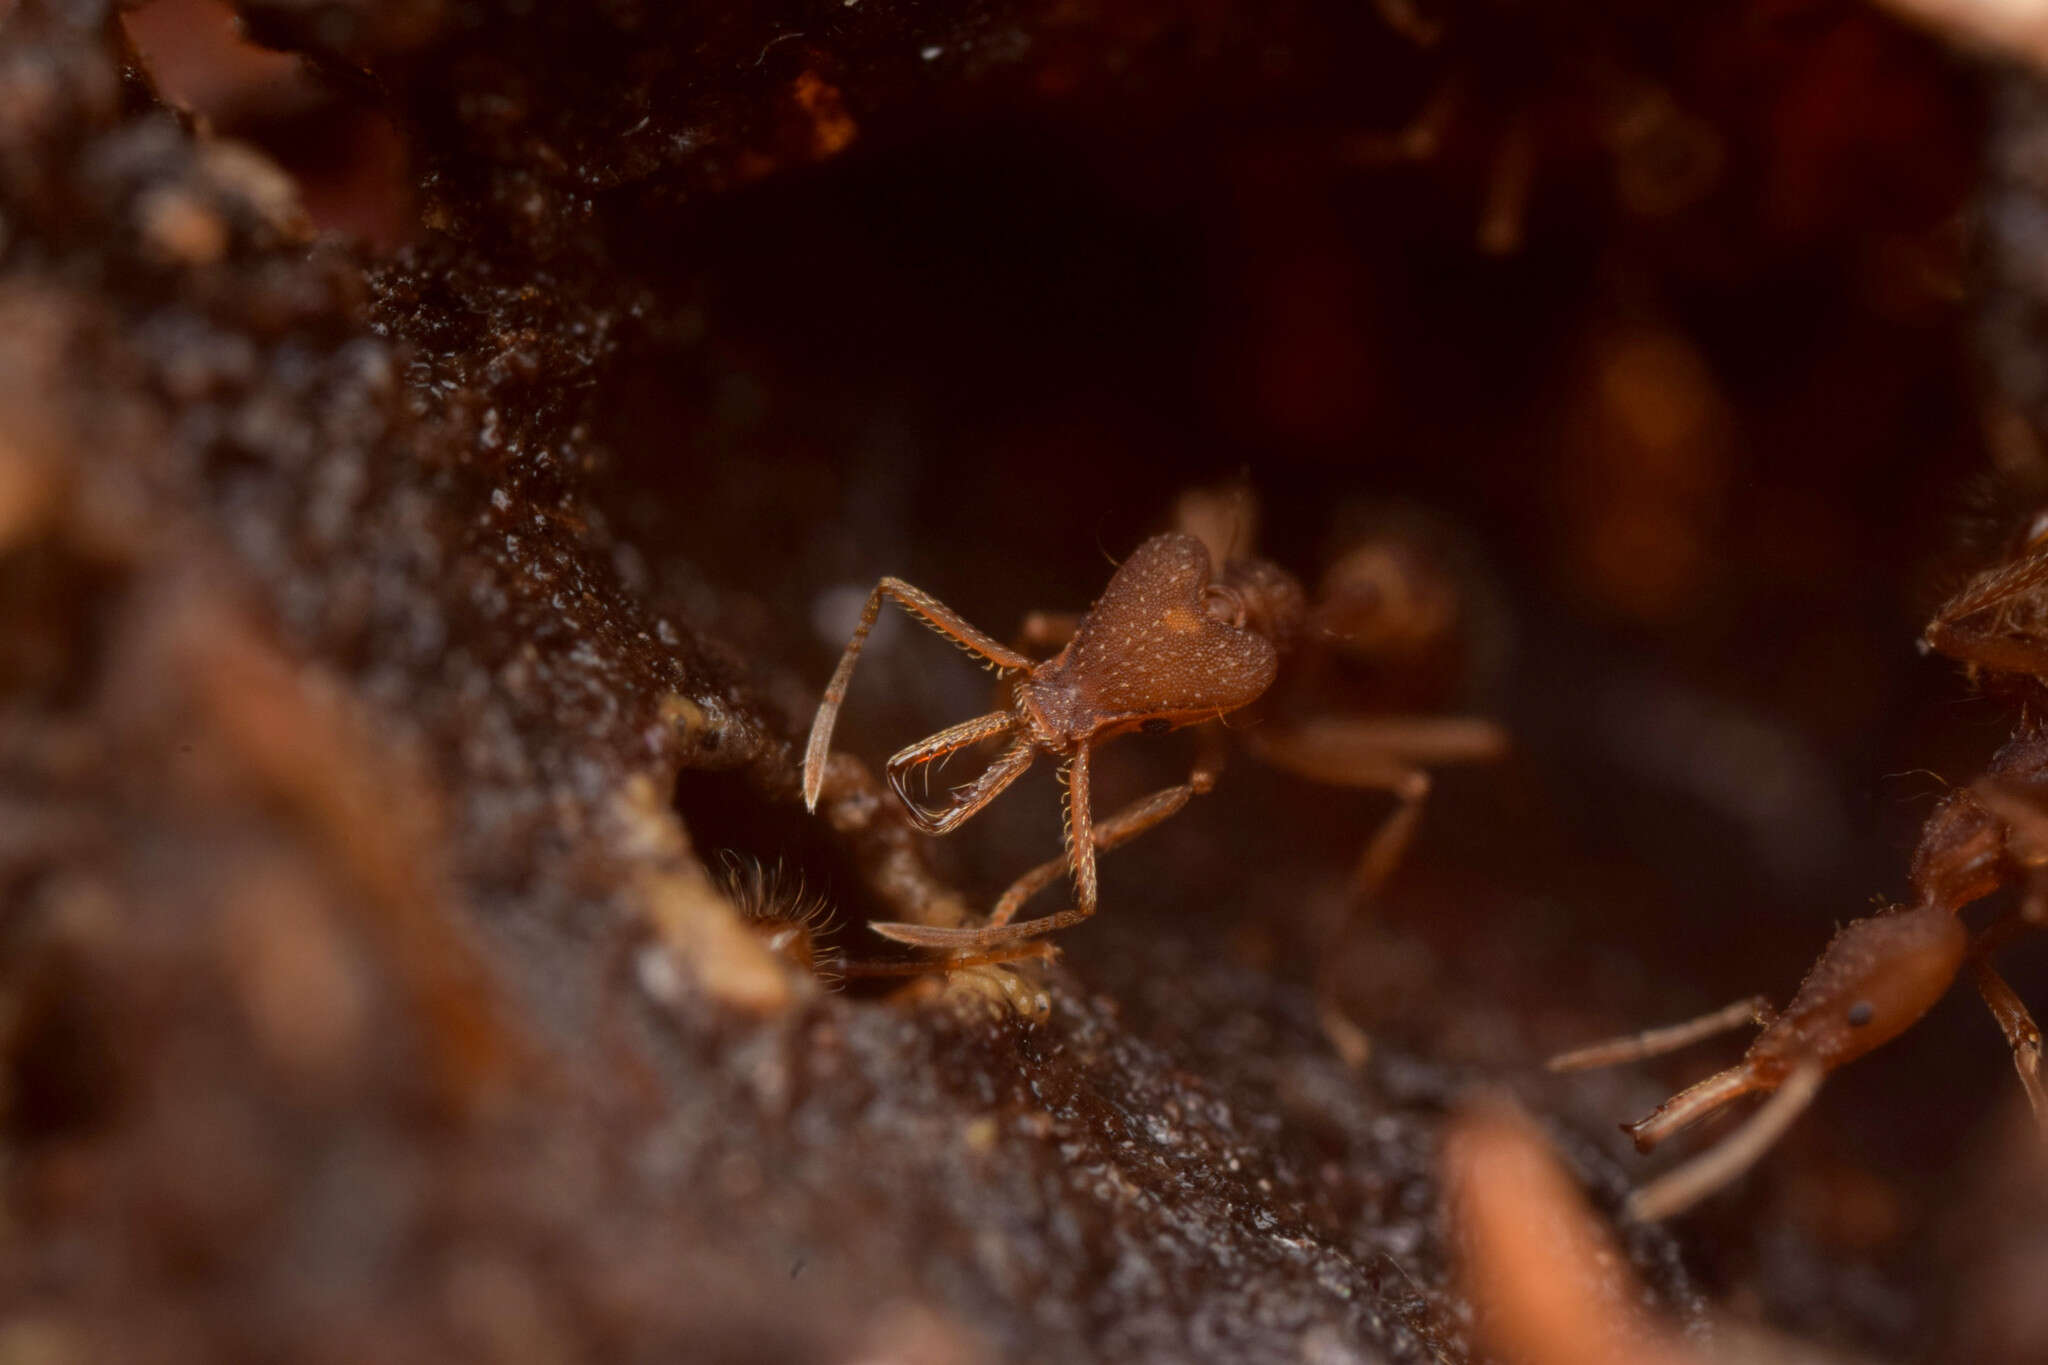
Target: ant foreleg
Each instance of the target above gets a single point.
(1655, 1042)
(1080, 857)
(934, 614)
(1007, 767)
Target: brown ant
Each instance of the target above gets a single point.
(1172, 642)
(1879, 975)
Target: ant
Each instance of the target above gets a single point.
(1174, 641)
(1879, 975)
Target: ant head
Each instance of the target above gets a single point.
(1872, 982)
(1164, 644)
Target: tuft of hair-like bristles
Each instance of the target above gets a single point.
(795, 922)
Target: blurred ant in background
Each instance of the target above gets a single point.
(1879, 975)
(1190, 630)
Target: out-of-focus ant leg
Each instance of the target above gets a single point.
(1380, 753)
(2015, 1021)
(1047, 631)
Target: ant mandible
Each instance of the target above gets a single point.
(1172, 642)
(1879, 975)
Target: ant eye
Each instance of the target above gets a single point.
(1158, 725)
(1223, 604)
(1861, 1013)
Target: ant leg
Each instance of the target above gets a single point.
(1305, 753)
(1354, 751)
(1655, 1042)
(1504, 210)
(1007, 768)
(2022, 1034)
(2015, 1021)
(984, 937)
(1405, 19)
(1382, 753)
(1048, 630)
(1020, 952)
(1080, 857)
(1119, 829)
(1420, 139)
(1688, 1184)
(934, 614)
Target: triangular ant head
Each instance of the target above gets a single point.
(1162, 643)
